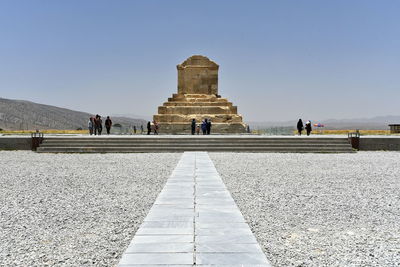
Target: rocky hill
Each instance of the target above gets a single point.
(26, 115)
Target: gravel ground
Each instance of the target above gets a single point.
(75, 209)
(319, 209)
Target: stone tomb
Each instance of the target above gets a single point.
(198, 98)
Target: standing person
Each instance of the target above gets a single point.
(148, 128)
(198, 129)
(90, 125)
(155, 127)
(193, 126)
(108, 124)
(141, 129)
(99, 124)
(95, 124)
(204, 126)
(308, 127)
(134, 129)
(300, 126)
(209, 126)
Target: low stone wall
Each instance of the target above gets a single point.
(379, 143)
(15, 143)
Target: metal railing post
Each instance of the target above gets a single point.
(37, 138)
(354, 139)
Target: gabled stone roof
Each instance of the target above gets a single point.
(198, 61)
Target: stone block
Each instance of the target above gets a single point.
(198, 99)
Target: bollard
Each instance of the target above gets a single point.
(354, 139)
(37, 139)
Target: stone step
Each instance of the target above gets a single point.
(203, 139)
(185, 119)
(206, 143)
(153, 145)
(196, 104)
(203, 96)
(197, 99)
(146, 144)
(293, 149)
(192, 145)
(188, 110)
(192, 142)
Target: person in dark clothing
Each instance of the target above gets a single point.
(134, 129)
(108, 124)
(308, 127)
(99, 124)
(193, 126)
(148, 128)
(209, 126)
(95, 124)
(100, 129)
(204, 126)
(300, 126)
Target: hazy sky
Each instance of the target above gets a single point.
(279, 60)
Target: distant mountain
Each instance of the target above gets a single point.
(134, 116)
(375, 123)
(26, 115)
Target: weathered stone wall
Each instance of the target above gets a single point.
(15, 143)
(379, 143)
(198, 75)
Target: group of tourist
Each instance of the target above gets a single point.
(95, 125)
(300, 127)
(205, 127)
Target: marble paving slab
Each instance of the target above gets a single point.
(194, 222)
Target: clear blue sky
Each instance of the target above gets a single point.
(279, 60)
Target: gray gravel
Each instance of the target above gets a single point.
(75, 209)
(319, 209)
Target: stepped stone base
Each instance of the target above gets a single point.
(175, 116)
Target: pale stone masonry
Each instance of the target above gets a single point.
(198, 98)
(194, 222)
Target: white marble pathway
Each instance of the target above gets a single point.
(194, 222)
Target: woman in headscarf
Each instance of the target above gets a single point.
(300, 126)
(308, 127)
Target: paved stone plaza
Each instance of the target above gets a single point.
(303, 209)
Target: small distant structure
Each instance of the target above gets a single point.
(318, 125)
(394, 128)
